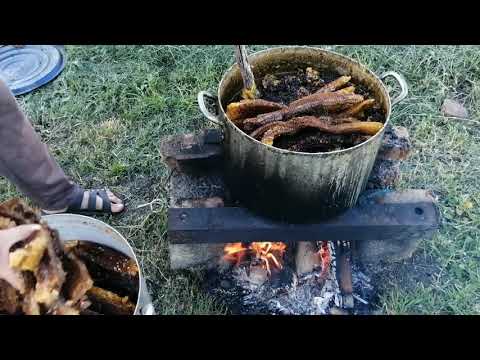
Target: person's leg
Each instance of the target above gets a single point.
(26, 162)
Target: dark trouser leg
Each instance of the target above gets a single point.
(25, 160)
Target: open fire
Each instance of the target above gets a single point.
(269, 255)
(281, 278)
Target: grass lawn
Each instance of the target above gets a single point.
(103, 119)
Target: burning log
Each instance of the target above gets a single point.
(271, 254)
(307, 258)
(321, 123)
(267, 255)
(344, 273)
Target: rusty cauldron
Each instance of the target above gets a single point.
(294, 186)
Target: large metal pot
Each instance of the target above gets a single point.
(288, 185)
(78, 227)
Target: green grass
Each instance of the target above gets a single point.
(103, 119)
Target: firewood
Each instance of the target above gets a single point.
(306, 257)
(322, 123)
(249, 108)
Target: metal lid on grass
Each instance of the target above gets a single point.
(28, 67)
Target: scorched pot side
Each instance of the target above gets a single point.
(294, 186)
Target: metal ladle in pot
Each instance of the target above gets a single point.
(250, 90)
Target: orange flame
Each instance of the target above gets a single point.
(235, 252)
(325, 257)
(269, 253)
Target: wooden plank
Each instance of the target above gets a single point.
(376, 217)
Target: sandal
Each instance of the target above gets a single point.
(75, 206)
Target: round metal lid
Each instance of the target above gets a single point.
(26, 68)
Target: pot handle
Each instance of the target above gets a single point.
(403, 85)
(203, 107)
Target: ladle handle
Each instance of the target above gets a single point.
(250, 89)
(403, 86)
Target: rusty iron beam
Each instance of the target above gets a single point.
(379, 215)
